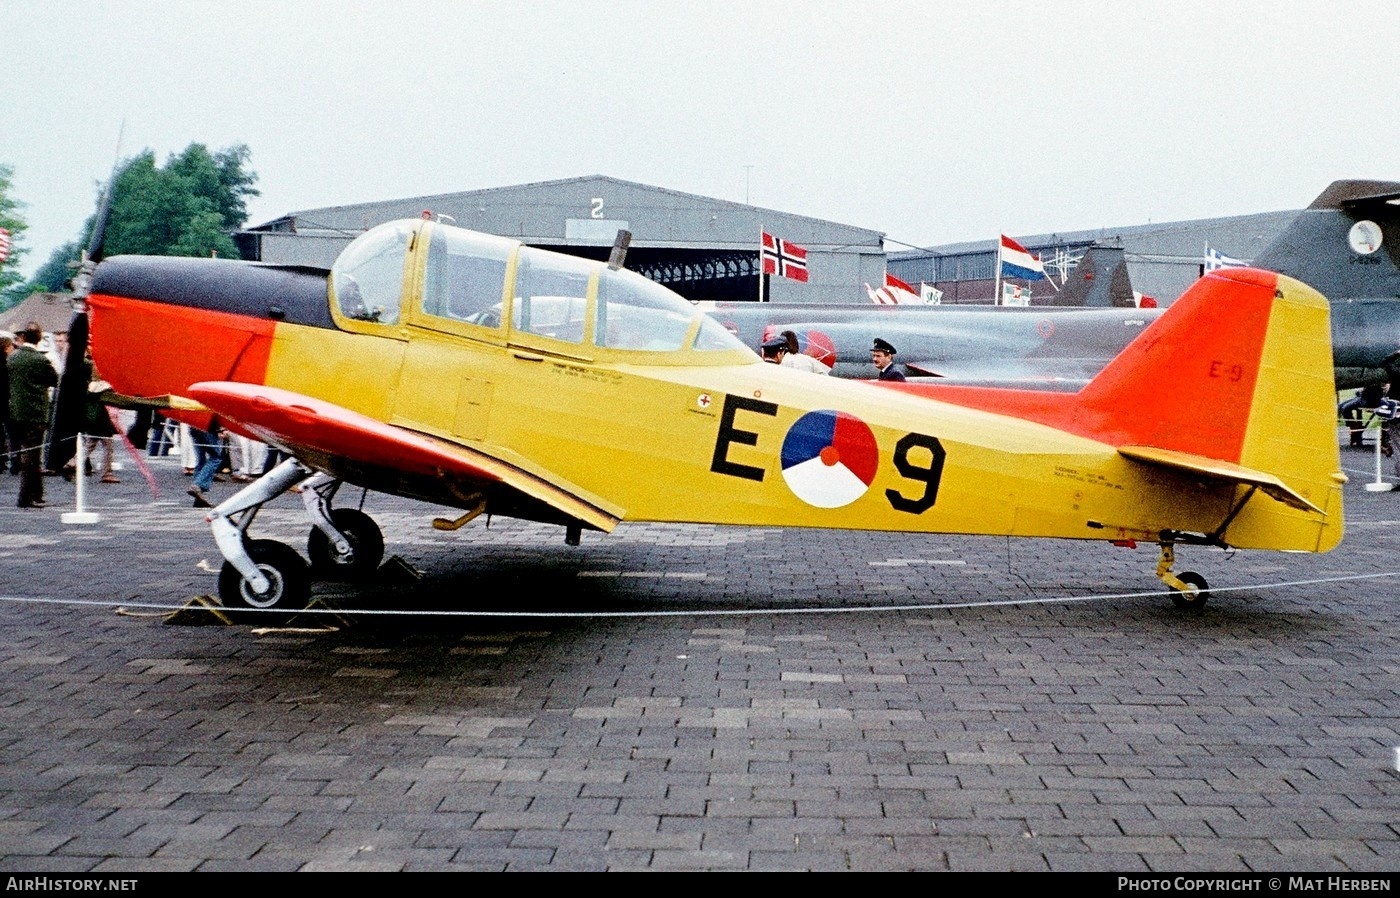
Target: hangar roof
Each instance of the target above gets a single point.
(53, 312)
(1241, 236)
(588, 211)
(1163, 258)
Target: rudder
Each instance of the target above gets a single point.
(1239, 371)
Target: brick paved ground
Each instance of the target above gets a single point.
(1108, 734)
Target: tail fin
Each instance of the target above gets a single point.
(1100, 279)
(1239, 371)
(1233, 383)
(1347, 245)
(1320, 249)
(1228, 356)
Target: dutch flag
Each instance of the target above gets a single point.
(1017, 262)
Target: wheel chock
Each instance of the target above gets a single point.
(200, 611)
(396, 570)
(326, 618)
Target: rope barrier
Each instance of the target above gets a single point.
(40, 447)
(701, 612)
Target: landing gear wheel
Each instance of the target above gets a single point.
(1195, 598)
(365, 539)
(290, 588)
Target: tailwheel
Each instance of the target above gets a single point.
(366, 543)
(290, 580)
(1195, 596)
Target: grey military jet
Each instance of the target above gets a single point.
(1346, 245)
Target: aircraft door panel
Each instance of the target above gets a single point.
(441, 390)
(474, 397)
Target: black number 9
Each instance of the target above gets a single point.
(929, 475)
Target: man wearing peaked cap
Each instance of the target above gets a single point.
(773, 349)
(882, 356)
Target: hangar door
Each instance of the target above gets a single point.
(714, 275)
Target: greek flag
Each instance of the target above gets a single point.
(1215, 259)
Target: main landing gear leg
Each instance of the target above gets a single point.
(344, 542)
(1189, 589)
(259, 573)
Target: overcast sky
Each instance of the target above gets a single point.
(932, 122)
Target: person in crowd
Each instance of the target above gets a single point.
(160, 440)
(98, 430)
(882, 357)
(31, 379)
(9, 449)
(209, 454)
(794, 357)
(249, 456)
(1353, 411)
(1389, 411)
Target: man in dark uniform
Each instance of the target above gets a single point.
(8, 462)
(882, 356)
(31, 378)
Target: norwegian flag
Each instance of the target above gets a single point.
(894, 293)
(4, 244)
(783, 257)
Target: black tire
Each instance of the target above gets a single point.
(365, 538)
(1194, 599)
(280, 563)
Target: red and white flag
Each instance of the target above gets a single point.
(4, 244)
(782, 257)
(894, 293)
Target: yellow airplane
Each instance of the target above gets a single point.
(471, 371)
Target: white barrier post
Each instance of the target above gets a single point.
(82, 515)
(1379, 485)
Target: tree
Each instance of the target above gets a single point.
(189, 207)
(53, 275)
(10, 220)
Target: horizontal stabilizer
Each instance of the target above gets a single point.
(1214, 469)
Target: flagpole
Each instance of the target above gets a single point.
(996, 287)
(760, 264)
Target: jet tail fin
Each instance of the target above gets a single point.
(1099, 280)
(1346, 245)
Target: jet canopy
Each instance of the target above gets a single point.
(446, 278)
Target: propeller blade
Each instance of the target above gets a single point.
(99, 227)
(70, 402)
(70, 399)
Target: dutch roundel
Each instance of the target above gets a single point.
(829, 458)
